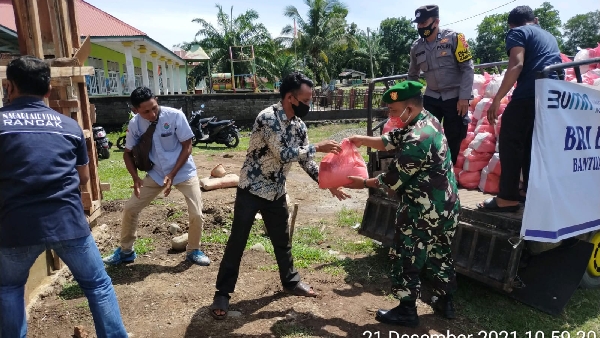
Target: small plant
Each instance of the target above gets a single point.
(348, 217)
(143, 246)
(70, 290)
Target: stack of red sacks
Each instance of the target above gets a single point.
(479, 148)
(590, 73)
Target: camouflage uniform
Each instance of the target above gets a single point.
(422, 176)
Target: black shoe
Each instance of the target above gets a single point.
(403, 315)
(445, 306)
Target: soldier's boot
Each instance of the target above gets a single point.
(445, 306)
(404, 314)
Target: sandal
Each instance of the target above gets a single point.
(491, 205)
(301, 289)
(220, 302)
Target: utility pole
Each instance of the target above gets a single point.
(370, 51)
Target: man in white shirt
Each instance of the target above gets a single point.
(173, 164)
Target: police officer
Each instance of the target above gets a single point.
(446, 61)
(421, 175)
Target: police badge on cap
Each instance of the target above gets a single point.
(425, 12)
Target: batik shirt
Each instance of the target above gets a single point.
(276, 142)
(421, 174)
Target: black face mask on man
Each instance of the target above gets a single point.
(301, 110)
(426, 32)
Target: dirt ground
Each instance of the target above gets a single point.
(161, 295)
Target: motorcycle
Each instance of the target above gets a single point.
(102, 143)
(213, 131)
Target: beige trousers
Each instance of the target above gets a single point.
(131, 211)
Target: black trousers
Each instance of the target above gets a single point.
(516, 134)
(275, 215)
(454, 127)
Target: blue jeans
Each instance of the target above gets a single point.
(82, 257)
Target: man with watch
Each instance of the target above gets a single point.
(421, 175)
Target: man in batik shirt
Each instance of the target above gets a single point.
(279, 138)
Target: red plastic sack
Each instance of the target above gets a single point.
(464, 144)
(335, 169)
(494, 165)
(484, 142)
(457, 171)
(469, 179)
(481, 108)
(460, 161)
(489, 183)
(471, 126)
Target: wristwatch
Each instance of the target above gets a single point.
(365, 183)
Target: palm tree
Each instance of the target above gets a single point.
(321, 34)
(370, 50)
(229, 31)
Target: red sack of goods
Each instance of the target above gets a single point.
(471, 127)
(481, 108)
(465, 142)
(489, 183)
(497, 126)
(484, 128)
(484, 143)
(494, 165)
(469, 179)
(460, 161)
(474, 160)
(474, 102)
(335, 169)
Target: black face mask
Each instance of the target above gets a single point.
(426, 32)
(301, 110)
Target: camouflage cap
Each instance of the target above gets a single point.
(402, 91)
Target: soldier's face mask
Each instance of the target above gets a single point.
(397, 120)
(426, 31)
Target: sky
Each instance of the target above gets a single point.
(170, 22)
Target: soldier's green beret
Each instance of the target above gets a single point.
(402, 91)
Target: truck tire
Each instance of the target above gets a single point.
(591, 277)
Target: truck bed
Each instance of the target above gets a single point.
(510, 221)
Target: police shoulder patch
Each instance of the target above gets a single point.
(462, 53)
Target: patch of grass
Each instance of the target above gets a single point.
(286, 329)
(318, 134)
(71, 290)
(349, 217)
(173, 215)
(364, 270)
(365, 247)
(83, 305)
(143, 246)
(487, 309)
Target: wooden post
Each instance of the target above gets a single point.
(28, 27)
(293, 221)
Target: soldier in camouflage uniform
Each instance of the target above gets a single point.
(422, 177)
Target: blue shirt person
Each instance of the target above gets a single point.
(43, 161)
(530, 49)
(173, 165)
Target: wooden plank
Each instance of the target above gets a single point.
(86, 199)
(94, 212)
(58, 72)
(93, 113)
(28, 28)
(75, 38)
(104, 186)
(65, 22)
(87, 133)
(48, 29)
(64, 103)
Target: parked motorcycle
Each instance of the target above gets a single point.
(102, 143)
(213, 131)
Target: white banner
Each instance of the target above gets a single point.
(563, 195)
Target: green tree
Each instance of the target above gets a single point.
(549, 19)
(490, 42)
(321, 34)
(370, 48)
(582, 30)
(397, 36)
(241, 30)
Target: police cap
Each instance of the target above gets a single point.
(425, 12)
